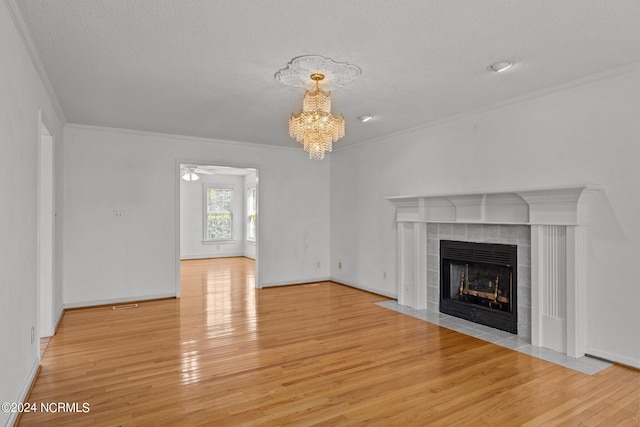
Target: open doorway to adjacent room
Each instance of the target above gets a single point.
(45, 231)
(218, 214)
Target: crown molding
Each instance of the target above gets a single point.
(179, 137)
(25, 35)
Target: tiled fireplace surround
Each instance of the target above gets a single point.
(548, 226)
(519, 235)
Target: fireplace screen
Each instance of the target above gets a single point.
(486, 285)
(478, 283)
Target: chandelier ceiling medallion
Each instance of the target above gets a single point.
(315, 126)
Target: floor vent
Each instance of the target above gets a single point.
(122, 307)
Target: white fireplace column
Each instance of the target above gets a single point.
(558, 220)
(411, 258)
(558, 304)
(559, 268)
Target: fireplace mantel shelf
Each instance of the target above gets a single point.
(551, 206)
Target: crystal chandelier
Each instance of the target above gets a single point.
(315, 127)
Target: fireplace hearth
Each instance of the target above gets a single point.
(478, 282)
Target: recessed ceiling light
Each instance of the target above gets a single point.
(501, 66)
(365, 119)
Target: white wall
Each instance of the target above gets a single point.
(135, 172)
(250, 181)
(22, 95)
(191, 218)
(585, 134)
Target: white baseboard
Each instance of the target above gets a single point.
(613, 357)
(22, 397)
(329, 279)
(58, 319)
(295, 282)
(207, 256)
(119, 300)
(364, 288)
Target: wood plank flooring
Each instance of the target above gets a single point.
(318, 354)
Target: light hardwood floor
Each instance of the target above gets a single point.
(316, 354)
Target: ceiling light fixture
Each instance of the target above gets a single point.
(315, 127)
(365, 119)
(190, 175)
(499, 67)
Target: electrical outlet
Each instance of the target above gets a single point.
(384, 275)
(318, 264)
(33, 334)
(340, 265)
(118, 215)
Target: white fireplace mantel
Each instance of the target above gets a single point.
(558, 220)
(543, 206)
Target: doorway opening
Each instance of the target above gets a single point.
(217, 213)
(45, 231)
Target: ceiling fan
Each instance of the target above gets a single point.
(190, 172)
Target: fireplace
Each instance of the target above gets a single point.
(478, 282)
(552, 271)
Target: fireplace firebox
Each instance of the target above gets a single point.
(478, 282)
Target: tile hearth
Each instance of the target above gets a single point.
(585, 364)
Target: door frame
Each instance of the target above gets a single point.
(177, 179)
(46, 227)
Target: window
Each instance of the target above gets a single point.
(252, 211)
(218, 213)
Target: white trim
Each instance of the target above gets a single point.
(614, 357)
(187, 257)
(296, 282)
(201, 162)
(32, 51)
(328, 279)
(176, 246)
(247, 205)
(411, 273)
(46, 231)
(561, 205)
(22, 396)
(364, 288)
(185, 138)
(58, 319)
(119, 300)
(259, 242)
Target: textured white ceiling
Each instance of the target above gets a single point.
(206, 68)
